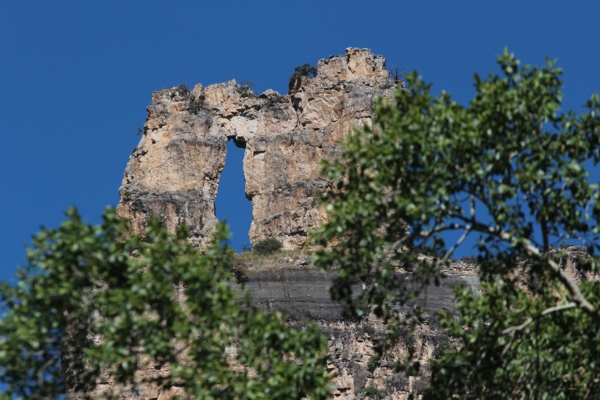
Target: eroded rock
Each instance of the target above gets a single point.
(174, 172)
(301, 294)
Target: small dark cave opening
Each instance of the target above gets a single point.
(231, 203)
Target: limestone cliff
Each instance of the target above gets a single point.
(299, 291)
(302, 294)
(174, 172)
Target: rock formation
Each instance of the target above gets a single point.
(300, 292)
(174, 172)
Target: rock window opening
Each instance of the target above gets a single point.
(231, 203)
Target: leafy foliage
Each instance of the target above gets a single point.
(267, 246)
(373, 362)
(374, 392)
(273, 100)
(305, 70)
(107, 303)
(180, 91)
(508, 168)
(197, 105)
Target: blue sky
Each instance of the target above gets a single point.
(76, 77)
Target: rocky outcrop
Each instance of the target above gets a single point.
(301, 293)
(174, 172)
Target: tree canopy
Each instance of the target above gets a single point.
(511, 169)
(95, 305)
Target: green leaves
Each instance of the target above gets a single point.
(508, 168)
(93, 301)
(513, 350)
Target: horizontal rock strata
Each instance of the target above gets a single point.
(301, 293)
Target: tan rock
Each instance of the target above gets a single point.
(301, 292)
(174, 172)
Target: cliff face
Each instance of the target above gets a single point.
(174, 172)
(300, 292)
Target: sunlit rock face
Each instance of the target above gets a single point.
(174, 172)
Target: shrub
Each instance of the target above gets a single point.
(196, 105)
(368, 329)
(469, 259)
(396, 73)
(373, 362)
(374, 393)
(267, 246)
(273, 100)
(245, 87)
(239, 268)
(247, 84)
(302, 71)
(180, 91)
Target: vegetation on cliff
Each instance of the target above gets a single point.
(510, 169)
(267, 246)
(96, 311)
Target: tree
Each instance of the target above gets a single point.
(94, 302)
(396, 73)
(304, 70)
(509, 168)
(301, 71)
(267, 246)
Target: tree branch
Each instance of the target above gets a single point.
(458, 242)
(427, 234)
(545, 312)
(571, 286)
(472, 205)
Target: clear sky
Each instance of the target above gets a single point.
(76, 77)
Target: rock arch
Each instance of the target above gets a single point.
(174, 172)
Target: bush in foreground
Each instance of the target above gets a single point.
(508, 168)
(153, 301)
(267, 246)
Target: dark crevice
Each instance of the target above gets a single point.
(239, 141)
